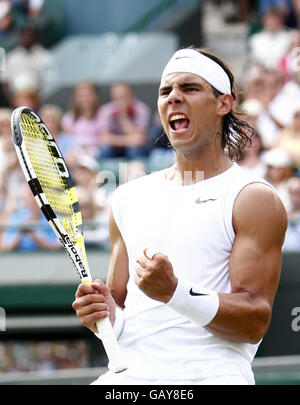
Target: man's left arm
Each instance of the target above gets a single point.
(260, 221)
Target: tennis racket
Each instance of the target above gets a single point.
(52, 186)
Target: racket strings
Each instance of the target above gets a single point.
(46, 168)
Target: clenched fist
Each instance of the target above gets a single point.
(155, 277)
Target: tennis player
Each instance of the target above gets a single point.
(196, 248)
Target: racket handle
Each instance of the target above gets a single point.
(116, 360)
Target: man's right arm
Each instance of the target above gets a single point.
(118, 271)
(97, 301)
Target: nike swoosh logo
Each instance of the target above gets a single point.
(199, 201)
(194, 294)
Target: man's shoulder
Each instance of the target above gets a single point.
(240, 178)
(258, 204)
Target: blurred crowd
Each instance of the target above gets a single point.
(33, 355)
(91, 133)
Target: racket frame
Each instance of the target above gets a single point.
(76, 251)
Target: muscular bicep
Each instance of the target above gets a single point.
(118, 272)
(259, 219)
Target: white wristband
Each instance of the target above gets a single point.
(198, 304)
(118, 324)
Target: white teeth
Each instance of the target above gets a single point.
(177, 117)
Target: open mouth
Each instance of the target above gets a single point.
(179, 122)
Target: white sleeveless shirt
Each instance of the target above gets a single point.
(192, 225)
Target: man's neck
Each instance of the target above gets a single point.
(190, 171)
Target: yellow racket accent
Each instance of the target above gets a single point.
(52, 174)
(80, 245)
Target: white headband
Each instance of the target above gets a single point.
(192, 61)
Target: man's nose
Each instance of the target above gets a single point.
(175, 96)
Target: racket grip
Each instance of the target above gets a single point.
(116, 359)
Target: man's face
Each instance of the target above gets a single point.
(188, 110)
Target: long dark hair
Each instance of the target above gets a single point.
(236, 133)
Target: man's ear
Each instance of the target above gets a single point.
(224, 104)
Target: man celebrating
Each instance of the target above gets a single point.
(194, 309)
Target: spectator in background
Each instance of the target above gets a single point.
(281, 108)
(279, 111)
(282, 5)
(27, 96)
(46, 16)
(272, 85)
(296, 6)
(268, 46)
(289, 138)
(17, 236)
(291, 59)
(279, 170)
(11, 176)
(21, 6)
(11, 22)
(292, 237)
(253, 84)
(27, 59)
(85, 172)
(124, 125)
(251, 108)
(82, 121)
(252, 155)
(263, 86)
(52, 115)
(94, 205)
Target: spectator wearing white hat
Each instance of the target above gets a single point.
(28, 60)
(268, 46)
(279, 170)
(252, 155)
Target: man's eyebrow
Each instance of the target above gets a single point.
(190, 84)
(163, 88)
(182, 86)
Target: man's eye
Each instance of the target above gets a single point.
(164, 93)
